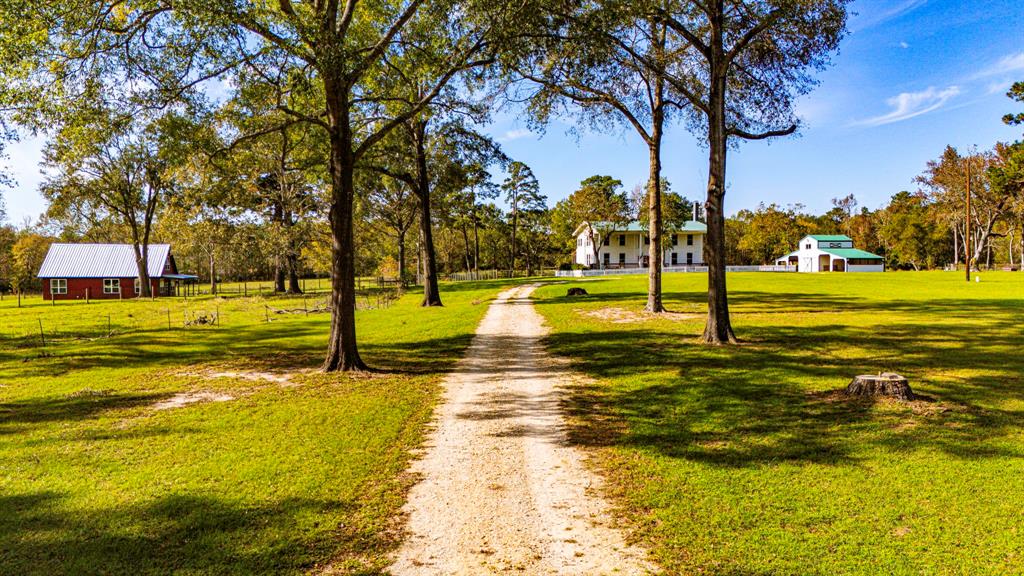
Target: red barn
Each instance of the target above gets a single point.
(98, 271)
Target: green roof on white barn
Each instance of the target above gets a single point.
(831, 238)
(851, 253)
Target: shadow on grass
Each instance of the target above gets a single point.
(177, 533)
(15, 416)
(755, 404)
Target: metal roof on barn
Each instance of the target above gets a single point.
(831, 238)
(852, 253)
(101, 261)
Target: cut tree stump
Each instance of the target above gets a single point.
(884, 384)
(576, 292)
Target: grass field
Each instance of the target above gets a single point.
(743, 460)
(297, 472)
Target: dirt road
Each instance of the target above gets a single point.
(502, 492)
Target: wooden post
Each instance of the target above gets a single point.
(108, 325)
(266, 311)
(168, 318)
(87, 295)
(967, 224)
(42, 336)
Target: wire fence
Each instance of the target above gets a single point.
(667, 269)
(43, 325)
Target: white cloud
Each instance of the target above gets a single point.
(911, 104)
(1006, 65)
(876, 18)
(514, 135)
(904, 45)
(998, 87)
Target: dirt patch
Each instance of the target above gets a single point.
(623, 316)
(183, 399)
(283, 379)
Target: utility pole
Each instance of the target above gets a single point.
(967, 224)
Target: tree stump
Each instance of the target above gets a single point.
(576, 292)
(884, 384)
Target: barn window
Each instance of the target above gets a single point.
(58, 286)
(138, 286)
(111, 285)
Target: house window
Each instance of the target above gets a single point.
(689, 258)
(675, 257)
(807, 246)
(675, 239)
(689, 239)
(622, 239)
(608, 240)
(111, 285)
(58, 285)
(607, 258)
(647, 239)
(622, 258)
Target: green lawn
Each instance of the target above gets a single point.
(743, 460)
(291, 478)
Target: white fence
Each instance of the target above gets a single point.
(625, 271)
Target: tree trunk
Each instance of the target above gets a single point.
(401, 255)
(718, 329)
(476, 246)
(293, 274)
(342, 351)
(213, 275)
(431, 293)
(956, 247)
(515, 225)
(277, 217)
(655, 252)
(469, 255)
(141, 247)
(142, 265)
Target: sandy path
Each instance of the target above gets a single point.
(502, 491)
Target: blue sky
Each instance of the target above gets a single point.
(912, 76)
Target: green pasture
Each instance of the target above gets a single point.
(744, 460)
(300, 473)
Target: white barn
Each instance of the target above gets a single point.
(627, 246)
(831, 253)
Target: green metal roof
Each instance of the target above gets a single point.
(851, 253)
(831, 238)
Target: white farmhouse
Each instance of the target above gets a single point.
(820, 253)
(627, 246)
